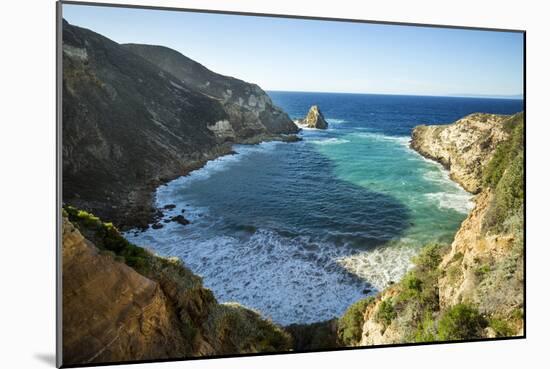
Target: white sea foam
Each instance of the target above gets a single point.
(329, 141)
(401, 140)
(382, 265)
(335, 121)
(287, 280)
(459, 202)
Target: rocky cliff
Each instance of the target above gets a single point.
(250, 110)
(130, 125)
(122, 303)
(472, 288)
(463, 147)
(314, 119)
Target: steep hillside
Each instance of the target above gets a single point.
(472, 288)
(121, 303)
(129, 126)
(250, 109)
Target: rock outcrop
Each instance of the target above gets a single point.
(314, 119)
(463, 147)
(474, 287)
(154, 309)
(130, 125)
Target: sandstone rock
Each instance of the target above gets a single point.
(463, 147)
(110, 312)
(314, 119)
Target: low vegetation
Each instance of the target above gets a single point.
(505, 175)
(350, 325)
(460, 322)
(238, 329)
(318, 336)
(107, 237)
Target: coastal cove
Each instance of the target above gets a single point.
(299, 231)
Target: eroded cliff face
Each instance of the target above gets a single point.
(110, 312)
(463, 147)
(250, 110)
(113, 313)
(474, 287)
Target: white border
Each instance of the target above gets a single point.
(28, 185)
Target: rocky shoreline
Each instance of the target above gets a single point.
(473, 288)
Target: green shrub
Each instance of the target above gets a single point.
(107, 238)
(412, 284)
(482, 270)
(350, 325)
(429, 257)
(501, 327)
(386, 313)
(461, 322)
(517, 314)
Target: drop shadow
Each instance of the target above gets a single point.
(46, 358)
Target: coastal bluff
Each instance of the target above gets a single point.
(474, 287)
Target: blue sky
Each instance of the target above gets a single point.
(311, 55)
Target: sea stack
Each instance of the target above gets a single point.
(314, 119)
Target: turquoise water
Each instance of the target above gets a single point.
(299, 231)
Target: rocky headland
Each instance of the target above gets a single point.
(473, 288)
(464, 147)
(314, 119)
(137, 116)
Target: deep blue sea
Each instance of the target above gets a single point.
(299, 231)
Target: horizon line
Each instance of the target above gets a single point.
(519, 96)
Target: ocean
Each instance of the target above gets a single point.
(299, 231)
